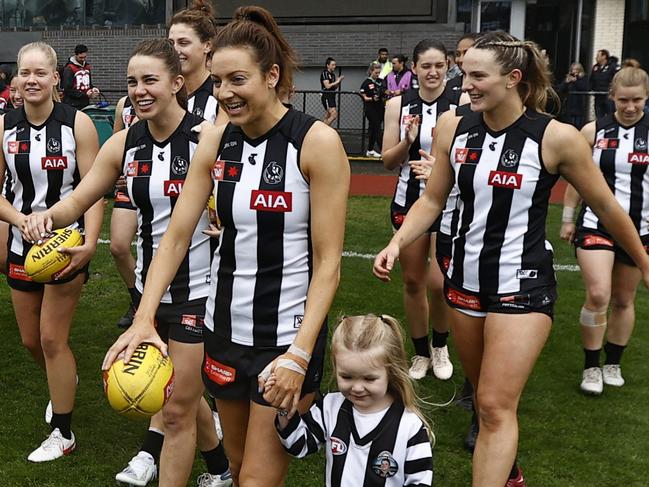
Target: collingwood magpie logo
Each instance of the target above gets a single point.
(198, 111)
(53, 145)
(273, 174)
(509, 158)
(640, 144)
(179, 166)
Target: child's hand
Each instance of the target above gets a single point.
(270, 382)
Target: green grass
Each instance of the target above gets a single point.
(567, 439)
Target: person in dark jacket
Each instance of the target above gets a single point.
(600, 79)
(575, 104)
(77, 79)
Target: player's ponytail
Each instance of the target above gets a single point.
(255, 28)
(164, 50)
(535, 87)
(52, 60)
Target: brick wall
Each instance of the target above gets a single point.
(608, 32)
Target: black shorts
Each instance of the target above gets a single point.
(443, 251)
(537, 300)
(398, 214)
(122, 201)
(593, 239)
(18, 279)
(328, 100)
(180, 322)
(230, 370)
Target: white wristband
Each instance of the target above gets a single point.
(298, 352)
(568, 214)
(289, 364)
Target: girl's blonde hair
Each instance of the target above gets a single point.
(50, 54)
(383, 333)
(630, 77)
(536, 82)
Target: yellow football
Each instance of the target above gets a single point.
(44, 262)
(141, 387)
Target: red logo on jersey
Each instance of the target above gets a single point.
(18, 272)
(277, 201)
(54, 163)
(338, 446)
(446, 263)
(173, 187)
(18, 146)
(192, 321)
(594, 240)
(397, 219)
(139, 168)
(227, 171)
(607, 144)
(128, 119)
(463, 300)
(638, 158)
(217, 372)
(467, 156)
(504, 179)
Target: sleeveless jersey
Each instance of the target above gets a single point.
(155, 173)
(621, 154)
(500, 244)
(408, 187)
(449, 219)
(128, 113)
(203, 103)
(262, 267)
(394, 452)
(41, 161)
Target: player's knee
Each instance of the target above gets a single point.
(52, 345)
(598, 297)
(32, 343)
(413, 286)
(119, 249)
(253, 478)
(494, 410)
(593, 318)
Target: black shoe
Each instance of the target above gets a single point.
(465, 401)
(472, 434)
(127, 320)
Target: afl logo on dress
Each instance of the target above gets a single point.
(338, 447)
(53, 145)
(273, 173)
(179, 166)
(509, 158)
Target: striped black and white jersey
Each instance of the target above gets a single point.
(453, 89)
(262, 267)
(155, 173)
(128, 113)
(390, 448)
(41, 161)
(203, 103)
(449, 219)
(408, 187)
(500, 244)
(621, 154)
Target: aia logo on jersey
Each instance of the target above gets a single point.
(18, 146)
(338, 446)
(173, 187)
(502, 179)
(275, 201)
(139, 168)
(467, 156)
(605, 144)
(641, 158)
(227, 171)
(54, 163)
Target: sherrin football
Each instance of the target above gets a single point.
(140, 388)
(44, 262)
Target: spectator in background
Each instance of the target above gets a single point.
(575, 104)
(600, 79)
(384, 62)
(5, 79)
(453, 69)
(77, 79)
(372, 93)
(400, 78)
(329, 84)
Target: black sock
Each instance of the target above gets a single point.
(439, 339)
(133, 293)
(421, 346)
(591, 358)
(153, 444)
(62, 422)
(514, 473)
(216, 461)
(613, 353)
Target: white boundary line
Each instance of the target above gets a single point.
(358, 255)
